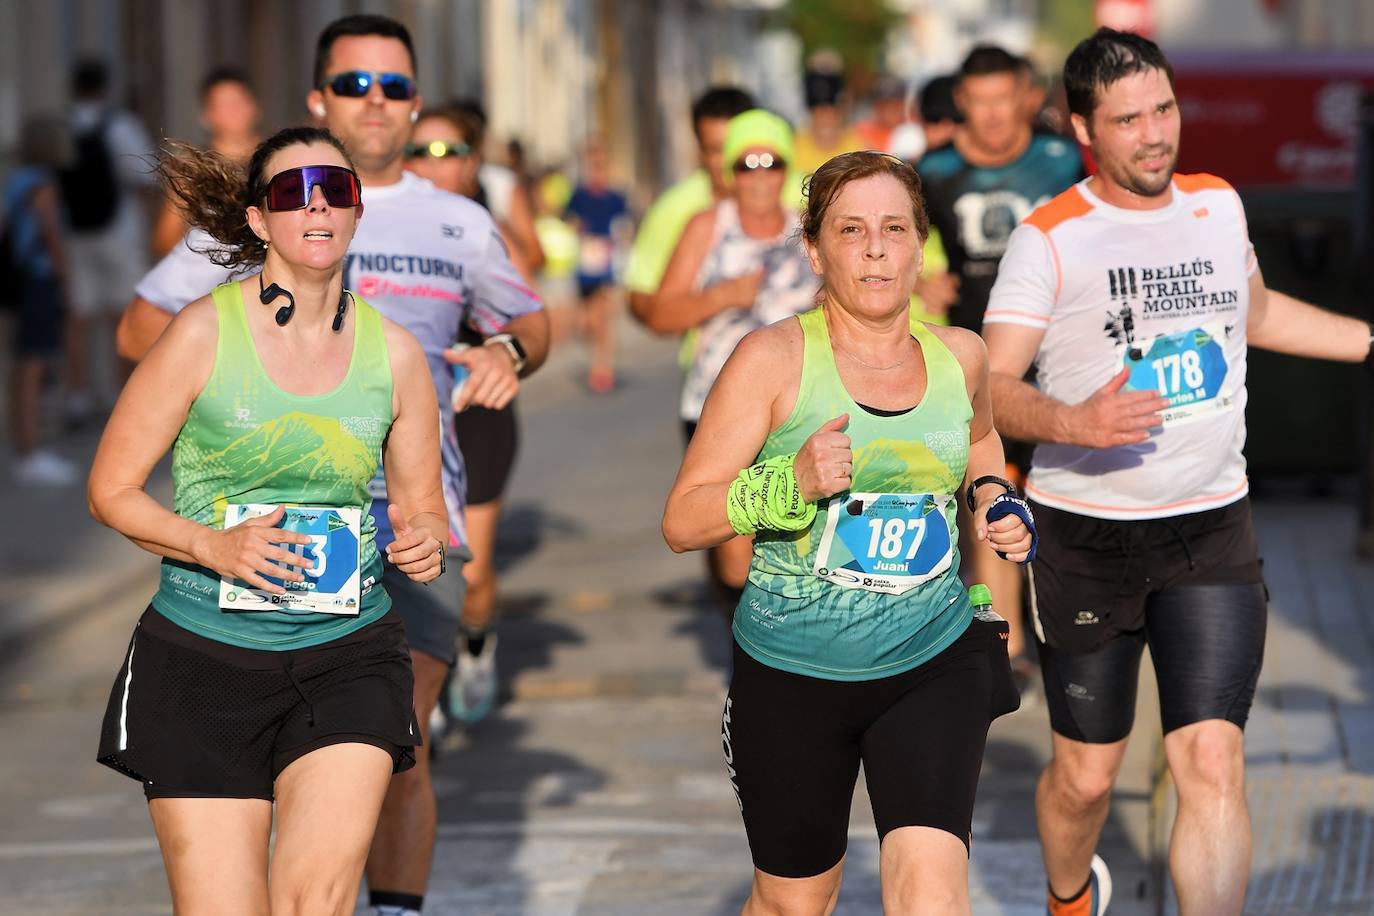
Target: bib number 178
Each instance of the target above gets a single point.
(1173, 368)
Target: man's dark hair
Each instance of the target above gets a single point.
(362, 24)
(720, 102)
(985, 60)
(225, 75)
(1104, 58)
(90, 78)
(937, 101)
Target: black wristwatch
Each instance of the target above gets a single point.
(512, 345)
(986, 479)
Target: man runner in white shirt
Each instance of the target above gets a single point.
(1136, 293)
(429, 260)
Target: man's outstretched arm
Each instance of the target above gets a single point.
(139, 328)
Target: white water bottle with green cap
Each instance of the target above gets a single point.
(980, 596)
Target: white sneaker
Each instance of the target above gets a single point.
(43, 468)
(472, 692)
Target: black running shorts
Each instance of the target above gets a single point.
(431, 612)
(488, 440)
(1189, 586)
(793, 745)
(192, 717)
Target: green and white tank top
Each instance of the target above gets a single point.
(871, 588)
(247, 441)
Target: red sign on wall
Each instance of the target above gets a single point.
(1261, 120)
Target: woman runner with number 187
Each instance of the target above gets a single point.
(841, 439)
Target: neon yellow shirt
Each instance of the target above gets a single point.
(661, 229)
(809, 157)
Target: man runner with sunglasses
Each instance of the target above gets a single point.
(431, 261)
(1136, 294)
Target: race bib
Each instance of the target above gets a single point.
(331, 586)
(594, 255)
(1187, 367)
(885, 542)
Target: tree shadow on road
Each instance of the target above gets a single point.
(490, 857)
(703, 617)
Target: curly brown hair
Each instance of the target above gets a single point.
(214, 192)
(826, 182)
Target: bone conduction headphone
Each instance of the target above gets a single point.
(285, 313)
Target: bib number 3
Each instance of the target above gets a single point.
(885, 542)
(331, 585)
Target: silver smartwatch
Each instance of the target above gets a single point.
(512, 345)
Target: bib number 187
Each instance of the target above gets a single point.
(889, 536)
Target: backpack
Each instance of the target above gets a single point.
(90, 193)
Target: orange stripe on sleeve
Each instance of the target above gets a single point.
(1200, 182)
(1005, 314)
(1068, 205)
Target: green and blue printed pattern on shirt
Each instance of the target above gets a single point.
(247, 441)
(792, 619)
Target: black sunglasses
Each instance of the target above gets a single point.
(354, 84)
(437, 149)
(755, 161)
(291, 189)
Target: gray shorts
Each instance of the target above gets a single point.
(431, 612)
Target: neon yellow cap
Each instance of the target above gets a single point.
(755, 127)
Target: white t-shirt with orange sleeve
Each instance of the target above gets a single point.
(1165, 292)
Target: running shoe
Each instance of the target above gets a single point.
(472, 693)
(42, 468)
(1091, 901)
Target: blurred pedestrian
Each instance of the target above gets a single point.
(940, 113)
(827, 132)
(665, 219)
(992, 174)
(504, 193)
(600, 213)
(558, 277)
(230, 115)
(738, 266)
(106, 193)
(442, 150)
(38, 288)
(888, 98)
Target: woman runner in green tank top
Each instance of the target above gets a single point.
(269, 665)
(842, 439)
